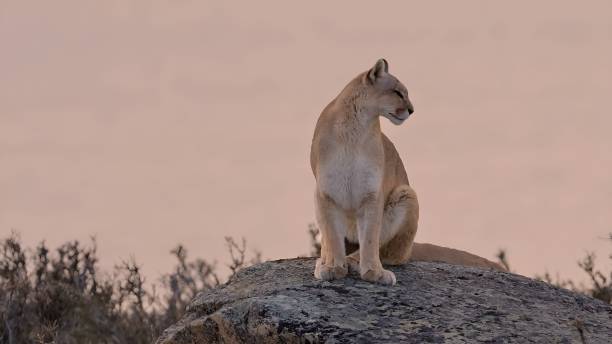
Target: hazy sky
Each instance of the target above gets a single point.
(187, 121)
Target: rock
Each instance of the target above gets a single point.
(281, 302)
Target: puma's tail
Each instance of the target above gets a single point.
(434, 253)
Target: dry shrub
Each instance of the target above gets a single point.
(61, 297)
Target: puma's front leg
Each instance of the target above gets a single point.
(332, 224)
(369, 222)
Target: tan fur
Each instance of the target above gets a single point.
(362, 191)
(433, 253)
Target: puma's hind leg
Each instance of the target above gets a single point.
(400, 220)
(400, 224)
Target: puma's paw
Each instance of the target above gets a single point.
(381, 276)
(353, 263)
(329, 272)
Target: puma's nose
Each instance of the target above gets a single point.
(410, 108)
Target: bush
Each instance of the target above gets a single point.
(600, 285)
(62, 297)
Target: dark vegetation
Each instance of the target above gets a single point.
(61, 296)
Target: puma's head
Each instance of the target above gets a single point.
(385, 95)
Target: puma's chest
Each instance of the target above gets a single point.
(350, 176)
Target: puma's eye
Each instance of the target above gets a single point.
(399, 94)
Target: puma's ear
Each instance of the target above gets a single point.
(379, 68)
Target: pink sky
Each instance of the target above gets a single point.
(187, 121)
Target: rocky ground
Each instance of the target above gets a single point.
(281, 302)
